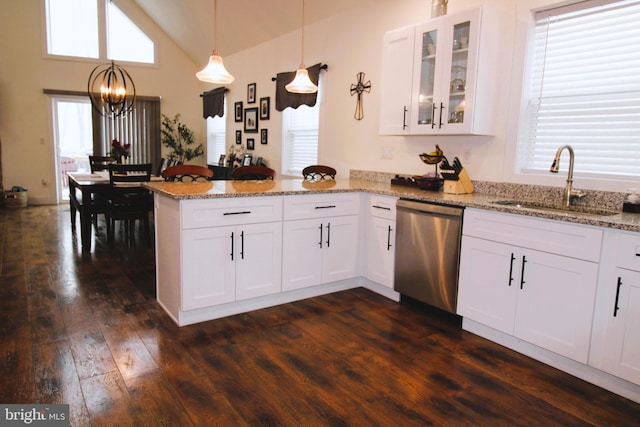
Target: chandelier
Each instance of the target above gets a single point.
(111, 90)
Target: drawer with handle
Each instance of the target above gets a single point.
(321, 205)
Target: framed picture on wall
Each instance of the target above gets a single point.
(251, 93)
(251, 120)
(264, 108)
(238, 137)
(251, 144)
(238, 111)
(263, 136)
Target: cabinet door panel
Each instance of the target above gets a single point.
(339, 253)
(301, 254)
(485, 292)
(622, 357)
(395, 90)
(258, 264)
(555, 304)
(381, 251)
(208, 275)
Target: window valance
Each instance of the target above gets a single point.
(213, 102)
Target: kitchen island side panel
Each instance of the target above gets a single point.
(168, 254)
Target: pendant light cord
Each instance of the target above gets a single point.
(302, 47)
(215, 29)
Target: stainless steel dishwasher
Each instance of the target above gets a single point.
(428, 252)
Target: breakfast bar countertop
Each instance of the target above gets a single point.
(282, 187)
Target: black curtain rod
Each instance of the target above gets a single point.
(203, 94)
(322, 67)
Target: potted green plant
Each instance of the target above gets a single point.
(180, 139)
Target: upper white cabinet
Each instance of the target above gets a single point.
(453, 70)
(533, 279)
(397, 78)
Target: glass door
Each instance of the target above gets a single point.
(426, 108)
(458, 75)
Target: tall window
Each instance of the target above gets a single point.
(584, 89)
(216, 132)
(300, 137)
(73, 28)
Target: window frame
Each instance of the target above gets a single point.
(522, 64)
(102, 37)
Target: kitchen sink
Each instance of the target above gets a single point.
(574, 210)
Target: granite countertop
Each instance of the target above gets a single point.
(478, 199)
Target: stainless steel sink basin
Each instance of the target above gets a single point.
(573, 210)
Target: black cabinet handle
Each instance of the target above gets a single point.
(326, 207)
(242, 244)
(404, 117)
(513, 258)
(328, 234)
(320, 242)
(237, 213)
(524, 261)
(381, 207)
(232, 246)
(441, 109)
(615, 306)
(389, 239)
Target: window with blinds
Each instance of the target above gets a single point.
(584, 89)
(299, 138)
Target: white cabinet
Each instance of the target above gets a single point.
(512, 281)
(455, 75)
(320, 239)
(381, 232)
(226, 263)
(616, 343)
(397, 78)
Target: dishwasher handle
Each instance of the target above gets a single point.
(427, 207)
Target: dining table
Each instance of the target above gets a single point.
(89, 186)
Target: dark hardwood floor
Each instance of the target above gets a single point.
(86, 330)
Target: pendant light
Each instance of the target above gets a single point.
(215, 72)
(301, 83)
(116, 94)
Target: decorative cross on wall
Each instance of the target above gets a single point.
(358, 88)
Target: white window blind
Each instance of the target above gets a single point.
(216, 135)
(585, 89)
(300, 138)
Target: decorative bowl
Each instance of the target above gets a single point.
(431, 160)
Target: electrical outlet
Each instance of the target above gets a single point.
(386, 153)
(466, 156)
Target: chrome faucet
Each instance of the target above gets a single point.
(569, 192)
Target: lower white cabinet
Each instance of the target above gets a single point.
(616, 343)
(226, 264)
(320, 239)
(319, 251)
(543, 298)
(381, 235)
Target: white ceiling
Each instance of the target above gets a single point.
(243, 23)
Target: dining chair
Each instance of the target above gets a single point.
(187, 173)
(129, 201)
(318, 172)
(253, 172)
(100, 163)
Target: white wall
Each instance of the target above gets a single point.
(351, 43)
(25, 112)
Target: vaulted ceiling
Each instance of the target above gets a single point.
(243, 23)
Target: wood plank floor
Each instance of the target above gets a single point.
(86, 330)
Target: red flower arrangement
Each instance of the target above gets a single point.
(118, 150)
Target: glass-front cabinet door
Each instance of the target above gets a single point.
(446, 50)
